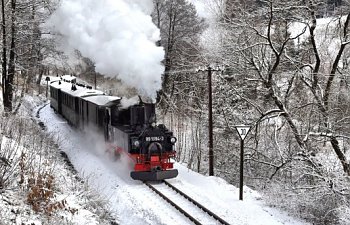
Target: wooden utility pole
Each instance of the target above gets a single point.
(95, 79)
(47, 79)
(210, 118)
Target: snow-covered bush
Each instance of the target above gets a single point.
(321, 204)
(37, 187)
(343, 214)
(12, 154)
(25, 161)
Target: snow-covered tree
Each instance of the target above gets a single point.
(180, 29)
(286, 77)
(183, 89)
(21, 45)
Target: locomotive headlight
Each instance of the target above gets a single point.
(173, 140)
(136, 143)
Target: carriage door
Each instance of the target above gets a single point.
(59, 101)
(106, 123)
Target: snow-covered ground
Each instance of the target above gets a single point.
(132, 202)
(68, 201)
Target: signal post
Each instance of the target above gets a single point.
(243, 132)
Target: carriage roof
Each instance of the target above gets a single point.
(78, 91)
(94, 96)
(103, 100)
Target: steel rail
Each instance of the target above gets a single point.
(194, 202)
(195, 221)
(210, 213)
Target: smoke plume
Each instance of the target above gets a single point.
(118, 35)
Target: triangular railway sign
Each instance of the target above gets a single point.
(243, 130)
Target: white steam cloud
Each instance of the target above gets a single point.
(126, 102)
(118, 35)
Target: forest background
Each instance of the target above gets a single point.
(284, 70)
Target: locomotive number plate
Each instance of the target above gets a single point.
(159, 138)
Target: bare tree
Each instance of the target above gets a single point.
(23, 49)
(285, 72)
(8, 73)
(180, 28)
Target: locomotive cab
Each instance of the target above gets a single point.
(150, 146)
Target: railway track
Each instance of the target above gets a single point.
(156, 188)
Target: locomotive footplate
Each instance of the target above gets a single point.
(154, 175)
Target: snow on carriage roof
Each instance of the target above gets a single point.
(68, 78)
(84, 92)
(102, 100)
(79, 92)
(95, 96)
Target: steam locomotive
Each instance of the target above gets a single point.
(128, 130)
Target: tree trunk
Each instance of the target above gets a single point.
(323, 103)
(4, 52)
(11, 70)
(341, 156)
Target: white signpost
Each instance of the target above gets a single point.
(243, 131)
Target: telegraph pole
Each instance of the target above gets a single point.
(47, 79)
(95, 76)
(95, 80)
(210, 117)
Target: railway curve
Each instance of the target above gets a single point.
(168, 199)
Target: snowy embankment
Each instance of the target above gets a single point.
(39, 188)
(133, 203)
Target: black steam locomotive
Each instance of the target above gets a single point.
(127, 130)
